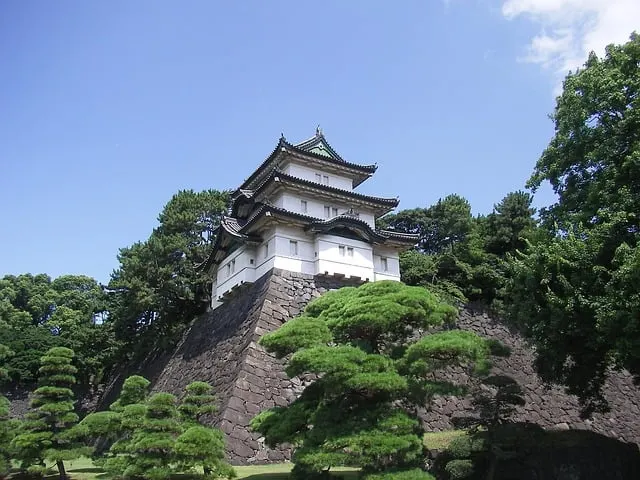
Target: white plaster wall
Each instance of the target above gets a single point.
(329, 260)
(244, 271)
(393, 263)
(315, 208)
(306, 173)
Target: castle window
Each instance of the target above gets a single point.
(325, 179)
(384, 264)
(334, 212)
(349, 251)
(303, 206)
(327, 211)
(341, 250)
(228, 269)
(318, 178)
(293, 247)
(233, 265)
(266, 250)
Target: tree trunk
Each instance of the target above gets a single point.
(63, 472)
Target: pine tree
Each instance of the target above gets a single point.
(47, 431)
(199, 445)
(197, 402)
(118, 424)
(151, 449)
(373, 371)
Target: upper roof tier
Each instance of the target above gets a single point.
(314, 152)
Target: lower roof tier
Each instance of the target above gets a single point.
(233, 231)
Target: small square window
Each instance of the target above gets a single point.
(303, 206)
(349, 251)
(327, 212)
(318, 178)
(293, 247)
(341, 250)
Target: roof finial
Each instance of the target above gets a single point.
(318, 131)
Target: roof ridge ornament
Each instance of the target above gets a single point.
(319, 131)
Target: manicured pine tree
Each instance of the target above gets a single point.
(372, 370)
(151, 449)
(197, 402)
(47, 431)
(118, 424)
(200, 445)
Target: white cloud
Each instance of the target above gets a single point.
(570, 29)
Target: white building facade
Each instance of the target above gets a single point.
(299, 212)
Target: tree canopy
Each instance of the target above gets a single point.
(577, 291)
(361, 346)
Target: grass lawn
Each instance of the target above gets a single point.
(84, 469)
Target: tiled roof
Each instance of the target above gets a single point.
(281, 176)
(305, 149)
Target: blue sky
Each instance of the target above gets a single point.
(108, 108)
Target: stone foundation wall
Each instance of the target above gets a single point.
(221, 348)
(547, 407)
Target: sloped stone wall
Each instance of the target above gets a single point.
(221, 348)
(547, 407)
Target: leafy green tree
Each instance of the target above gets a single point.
(37, 314)
(157, 289)
(372, 371)
(576, 291)
(151, 450)
(47, 431)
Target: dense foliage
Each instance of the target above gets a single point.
(372, 371)
(37, 313)
(460, 256)
(577, 292)
(158, 289)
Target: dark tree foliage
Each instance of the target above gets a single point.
(371, 374)
(510, 223)
(37, 314)
(8, 427)
(440, 226)
(157, 289)
(463, 258)
(47, 433)
(577, 292)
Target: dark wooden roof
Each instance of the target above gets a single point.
(310, 149)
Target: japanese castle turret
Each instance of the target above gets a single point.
(299, 212)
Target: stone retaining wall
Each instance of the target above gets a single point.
(221, 348)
